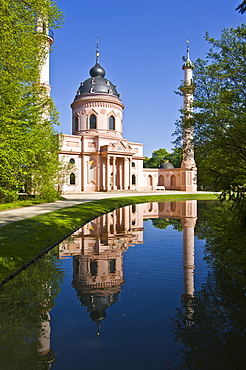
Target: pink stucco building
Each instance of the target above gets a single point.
(101, 159)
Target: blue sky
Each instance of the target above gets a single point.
(141, 47)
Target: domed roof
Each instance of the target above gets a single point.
(97, 84)
(166, 165)
(97, 70)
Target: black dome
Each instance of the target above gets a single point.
(97, 70)
(97, 85)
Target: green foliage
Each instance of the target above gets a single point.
(163, 223)
(25, 303)
(242, 7)
(161, 155)
(28, 150)
(212, 324)
(220, 114)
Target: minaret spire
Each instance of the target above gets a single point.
(97, 49)
(188, 49)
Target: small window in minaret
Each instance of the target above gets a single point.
(133, 164)
(44, 28)
(93, 122)
(72, 161)
(111, 123)
(76, 124)
(133, 179)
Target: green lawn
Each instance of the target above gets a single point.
(23, 241)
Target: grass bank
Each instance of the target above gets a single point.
(25, 202)
(23, 241)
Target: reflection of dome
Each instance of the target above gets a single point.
(97, 304)
(166, 165)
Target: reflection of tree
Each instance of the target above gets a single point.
(25, 302)
(162, 223)
(224, 227)
(215, 334)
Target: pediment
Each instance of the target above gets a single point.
(118, 147)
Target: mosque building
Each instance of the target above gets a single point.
(100, 159)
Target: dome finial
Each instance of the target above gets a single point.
(188, 63)
(188, 49)
(97, 70)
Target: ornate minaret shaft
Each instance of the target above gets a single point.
(47, 39)
(188, 164)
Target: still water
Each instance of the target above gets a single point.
(126, 291)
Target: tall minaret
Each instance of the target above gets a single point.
(188, 163)
(47, 39)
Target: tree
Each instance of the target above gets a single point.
(28, 149)
(212, 324)
(161, 155)
(219, 114)
(242, 7)
(25, 302)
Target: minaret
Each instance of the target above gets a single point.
(188, 163)
(47, 40)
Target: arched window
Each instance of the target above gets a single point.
(133, 164)
(150, 181)
(133, 179)
(76, 124)
(93, 121)
(173, 180)
(161, 180)
(72, 179)
(111, 123)
(72, 161)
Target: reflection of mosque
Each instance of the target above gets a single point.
(98, 247)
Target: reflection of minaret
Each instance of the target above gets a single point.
(44, 341)
(188, 224)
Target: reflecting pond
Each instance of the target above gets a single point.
(143, 287)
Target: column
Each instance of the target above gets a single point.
(114, 179)
(103, 174)
(125, 187)
(130, 173)
(120, 174)
(108, 173)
